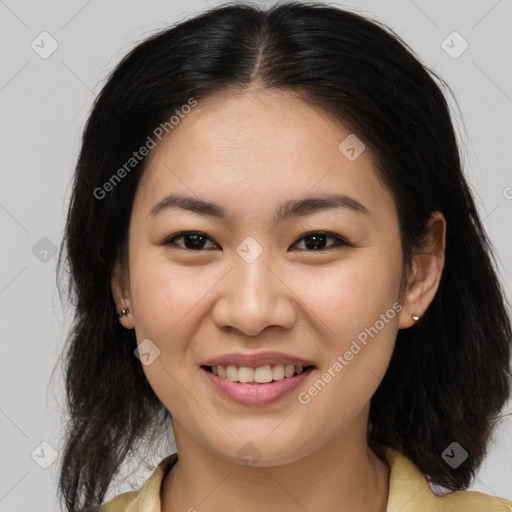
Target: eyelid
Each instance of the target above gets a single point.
(170, 239)
(340, 241)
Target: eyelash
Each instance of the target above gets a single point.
(340, 242)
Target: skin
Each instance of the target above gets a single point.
(249, 152)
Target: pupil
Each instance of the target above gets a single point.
(316, 240)
(196, 243)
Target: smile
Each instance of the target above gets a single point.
(256, 386)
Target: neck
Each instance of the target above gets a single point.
(345, 474)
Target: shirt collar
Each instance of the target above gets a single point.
(407, 485)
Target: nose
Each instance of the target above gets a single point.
(254, 296)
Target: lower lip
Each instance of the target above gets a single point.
(256, 394)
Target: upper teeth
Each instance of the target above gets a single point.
(261, 374)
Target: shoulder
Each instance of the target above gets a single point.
(409, 491)
(473, 501)
(147, 497)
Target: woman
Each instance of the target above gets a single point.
(272, 246)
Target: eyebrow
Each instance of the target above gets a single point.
(292, 208)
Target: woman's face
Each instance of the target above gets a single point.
(256, 283)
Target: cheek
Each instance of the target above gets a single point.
(164, 299)
(352, 295)
(360, 320)
(162, 295)
(169, 301)
(357, 304)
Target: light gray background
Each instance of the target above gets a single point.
(44, 105)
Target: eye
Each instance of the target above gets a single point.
(315, 241)
(192, 240)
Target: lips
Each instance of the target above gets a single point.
(254, 360)
(256, 394)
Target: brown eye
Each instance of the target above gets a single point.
(316, 241)
(191, 240)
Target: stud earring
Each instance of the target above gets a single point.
(416, 318)
(123, 312)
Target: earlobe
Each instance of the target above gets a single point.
(120, 292)
(427, 269)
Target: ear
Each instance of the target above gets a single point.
(427, 268)
(120, 291)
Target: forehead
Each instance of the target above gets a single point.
(247, 148)
(264, 124)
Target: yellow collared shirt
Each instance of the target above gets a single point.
(409, 491)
